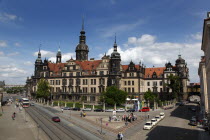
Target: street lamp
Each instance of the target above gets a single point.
(101, 125)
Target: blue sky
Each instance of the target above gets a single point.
(147, 30)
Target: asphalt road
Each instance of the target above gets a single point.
(173, 127)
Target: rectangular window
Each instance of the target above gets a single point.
(71, 74)
(125, 90)
(85, 82)
(125, 83)
(129, 89)
(84, 89)
(57, 82)
(161, 83)
(133, 90)
(78, 73)
(93, 81)
(148, 83)
(161, 90)
(64, 74)
(78, 81)
(149, 89)
(132, 82)
(101, 72)
(154, 83)
(129, 82)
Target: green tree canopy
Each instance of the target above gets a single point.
(113, 95)
(43, 89)
(175, 85)
(150, 96)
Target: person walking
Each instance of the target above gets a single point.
(148, 116)
(13, 117)
(62, 110)
(118, 136)
(121, 136)
(14, 114)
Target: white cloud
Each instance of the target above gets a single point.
(45, 53)
(1, 53)
(197, 36)
(110, 31)
(13, 54)
(11, 71)
(65, 57)
(4, 17)
(156, 53)
(28, 63)
(17, 44)
(3, 43)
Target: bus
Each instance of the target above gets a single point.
(25, 102)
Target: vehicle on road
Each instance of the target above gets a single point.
(99, 110)
(56, 119)
(162, 115)
(109, 110)
(154, 121)
(148, 125)
(76, 109)
(193, 122)
(66, 108)
(25, 102)
(120, 110)
(193, 109)
(32, 104)
(131, 110)
(144, 109)
(86, 109)
(158, 118)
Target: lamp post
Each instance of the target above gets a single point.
(101, 125)
(38, 131)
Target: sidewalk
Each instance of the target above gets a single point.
(18, 129)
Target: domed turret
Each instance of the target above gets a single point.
(180, 60)
(58, 56)
(82, 49)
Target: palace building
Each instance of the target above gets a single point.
(85, 79)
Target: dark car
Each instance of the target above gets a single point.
(56, 119)
(76, 109)
(131, 110)
(99, 110)
(193, 109)
(193, 122)
(66, 108)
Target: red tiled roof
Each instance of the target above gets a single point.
(56, 67)
(125, 67)
(88, 65)
(158, 70)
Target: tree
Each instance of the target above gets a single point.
(43, 89)
(150, 96)
(175, 85)
(113, 95)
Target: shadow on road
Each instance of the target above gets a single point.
(184, 112)
(172, 133)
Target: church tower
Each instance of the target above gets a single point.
(115, 73)
(82, 49)
(38, 65)
(58, 56)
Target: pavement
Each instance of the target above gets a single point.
(22, 128)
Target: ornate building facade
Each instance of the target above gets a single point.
(87, 79)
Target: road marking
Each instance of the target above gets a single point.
(70, 124)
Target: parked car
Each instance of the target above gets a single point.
(86, 109)
(144, 109)
(162, 115)
(158, 118)
(56, 119)
(148, 125)
(131, 110)
(193, 109)
(32, 104)
(154, 121)
(109, 110)
(193, 122)
(120, 110)
(66, 108)
(99, 110)
(76, 109)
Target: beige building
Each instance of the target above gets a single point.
(204, 69)
(85, 79)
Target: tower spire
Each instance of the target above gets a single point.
(115, 44)
(83, 23)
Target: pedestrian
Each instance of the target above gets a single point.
(106, 124)
(13, 117)
(121, 136)
(110, 118)
(14, 114)
(62, 110)
(118, 136)
(81, 114)
(148, 116)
